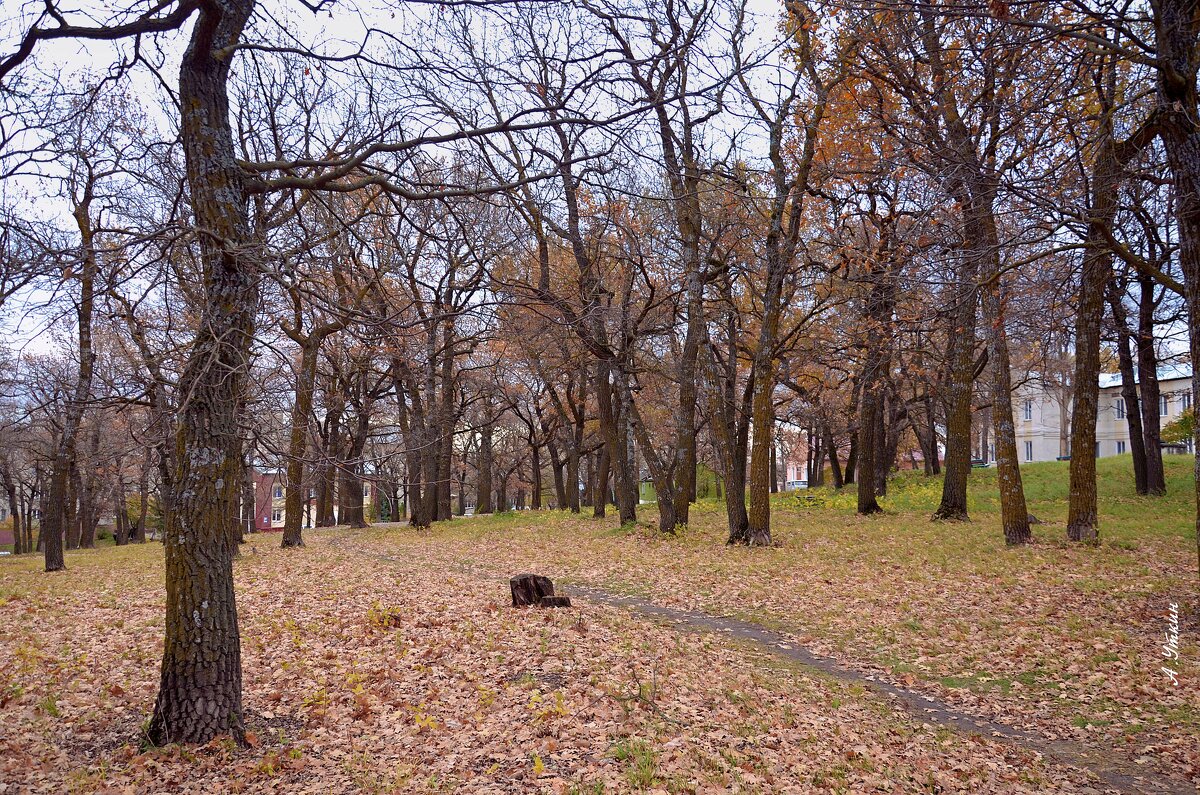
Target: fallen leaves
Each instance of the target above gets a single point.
(352, 683)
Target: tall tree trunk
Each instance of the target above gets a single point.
(445, 441)
(326, 498)
(1177, 31)
(1082, 518)
(14, 509)
(295, 485)
(1129, 391)
(352, 472)
(139, 533)
(483, 484)
(249, 497)
(1014, 516)
(835, 465)
(868, 426)
(535, 471)
(613, 431)
(1147, 361)
(200, 691)
(71, 509)
(54, 522)
(600, 489)
(961, 378)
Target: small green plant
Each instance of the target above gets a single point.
(49, 706)
(643, 761)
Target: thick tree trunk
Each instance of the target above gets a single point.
(445, 442)
(685, 416)
(200, 691)
(868, 425)
(326, 481)
(353, 480)
(1177, 30)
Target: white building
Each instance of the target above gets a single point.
(1039, 419)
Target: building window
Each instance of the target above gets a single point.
(1028, 449)
(1185, 401)
(1162, 406)
(366, 491)
(277, 516)
(1028, 409)
(1120, 448)
(278, 492)
(1120, 408)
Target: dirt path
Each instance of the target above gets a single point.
(1108, 769)
(1112, 771)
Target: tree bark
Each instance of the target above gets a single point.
(1177, 30)
(200, 691)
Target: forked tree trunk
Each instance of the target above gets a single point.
(200, 691)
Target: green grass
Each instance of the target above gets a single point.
(1047, 488)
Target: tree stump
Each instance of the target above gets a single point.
(534, 589)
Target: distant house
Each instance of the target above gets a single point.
(1040, 422)
(268, 500)
(270, 503)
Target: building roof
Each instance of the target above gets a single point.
(1172, 372)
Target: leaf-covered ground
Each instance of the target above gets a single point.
(388, 660)
(1058, 639)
